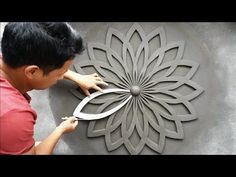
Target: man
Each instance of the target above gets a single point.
(36, 56)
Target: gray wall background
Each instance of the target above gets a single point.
(213, 132)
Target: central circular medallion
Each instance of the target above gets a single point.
(135, 90)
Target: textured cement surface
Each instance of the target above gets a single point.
(213, 46)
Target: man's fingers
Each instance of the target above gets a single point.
(87, 93)
(98, 79)
(95, 74)
(98, 88)
(101, 83)
(71, 119)
(75, 123)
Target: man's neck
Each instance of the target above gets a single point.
(14, 77)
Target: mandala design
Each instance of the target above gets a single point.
(159, 81)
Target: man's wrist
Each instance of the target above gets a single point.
(72, 76)
(60, 129)
(68, 74)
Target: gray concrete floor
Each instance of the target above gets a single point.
(215, 130)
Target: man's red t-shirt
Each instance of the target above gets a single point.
(17, 120)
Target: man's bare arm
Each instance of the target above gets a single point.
(47, 146)
(86, 82)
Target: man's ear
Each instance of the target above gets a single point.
(33, 72)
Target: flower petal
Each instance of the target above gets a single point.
(135, 136)
(110, 57)
(135, 28)
(182, 101)
(158, 106)
(112, 145)
(115, 35)
(113, 55)
(194, 89)
(157, 142)
(158, 34)
(156, 130)
(156, 62)
(144, 50)
(113, 126)
(92, 130)
(132, 50)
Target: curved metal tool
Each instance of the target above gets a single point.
(84, 116)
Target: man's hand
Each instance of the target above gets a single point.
(91, 81)
(68, 125)
(86, 82)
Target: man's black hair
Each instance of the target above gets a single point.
(45, 44)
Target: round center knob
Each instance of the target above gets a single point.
(135, 90)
